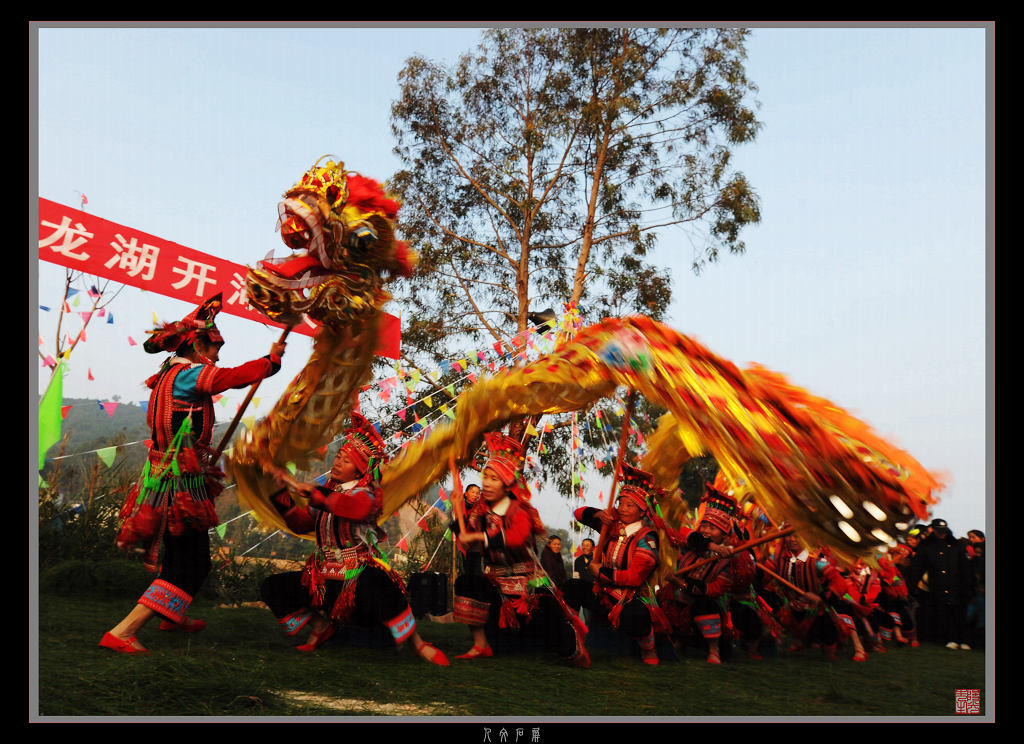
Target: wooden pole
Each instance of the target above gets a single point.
(619, 459)
(241, 409)
(738, 549)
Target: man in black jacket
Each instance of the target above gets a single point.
(950, 583)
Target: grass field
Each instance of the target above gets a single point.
(243, 666)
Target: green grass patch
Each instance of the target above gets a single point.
(242, 665)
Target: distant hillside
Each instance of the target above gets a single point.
(90, 427)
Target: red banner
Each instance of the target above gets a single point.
(87, 243)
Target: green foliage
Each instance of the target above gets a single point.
(111, 578)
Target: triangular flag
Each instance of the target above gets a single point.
(291, 468)
(72, 292)
(429, 400)
(107, 455)
(531, 430)
(472, 377)
(49, 414)
(249, 421)
(144, 405)
(44, 307)
(67, 308)
(422, 523)
(64, 412)
(131, 341)
(40, 340)
(255, 402)
(451, 390)
(403, 545)
(109, 406)
(156, 321)
(448, 534)
(442, 494)
(101, 312)
(85, 316)
(74, 303)
(221, 529)
(401, 414)
(49, 361)
(110, 319)
(89, 374)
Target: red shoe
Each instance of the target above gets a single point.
(317, 639)
(114, 643)
(860, 656)
(433, 654)
(914, 643)
(714, 658)
(650, 657)
(189, 626)
(477, 653)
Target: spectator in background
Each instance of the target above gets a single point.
(551, 560)
(976, 608)
(581, 567)
(950, 583)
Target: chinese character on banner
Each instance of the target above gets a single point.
(967, 702)
(71, 239)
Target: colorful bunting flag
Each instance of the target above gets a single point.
(109, 406)
(403, 545)
(107, 455)
(89, 374)
(64, 412)
(221, 530)
(49, 413)
(131, 341)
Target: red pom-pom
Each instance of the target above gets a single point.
(145, 522)
(367, 195)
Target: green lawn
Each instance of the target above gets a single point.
(242, 665)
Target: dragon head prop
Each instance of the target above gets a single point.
(339, 228)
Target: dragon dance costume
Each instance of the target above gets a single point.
(172, 504)
(621, 591)
(346, 578)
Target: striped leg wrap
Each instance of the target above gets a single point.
(402, 626)
(471, 611)
(646, 642)
(296, 621)
(167, 600)
(710, 625)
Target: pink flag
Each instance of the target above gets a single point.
(131, 341)
(49, 361)
(401, 414)
(110, 407)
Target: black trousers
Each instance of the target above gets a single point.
(186, 560)
(635, 620)
(377, 598)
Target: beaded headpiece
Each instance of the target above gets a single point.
(198, 323)
(637, 486)
(717, 508)
(506, 457)
(363, 444)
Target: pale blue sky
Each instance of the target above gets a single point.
(865, 281)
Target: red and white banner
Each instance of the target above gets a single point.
(87, 243)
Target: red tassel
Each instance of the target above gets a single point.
(146, 522)
(367, 195)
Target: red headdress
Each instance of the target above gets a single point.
(506, 458)
(363, 444)
(717, 508)
(638, 486)
(197, 324)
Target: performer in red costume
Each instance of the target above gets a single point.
(699, 599)
(504, 527)
(346, 579)
(621, 589)
(173, 502)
